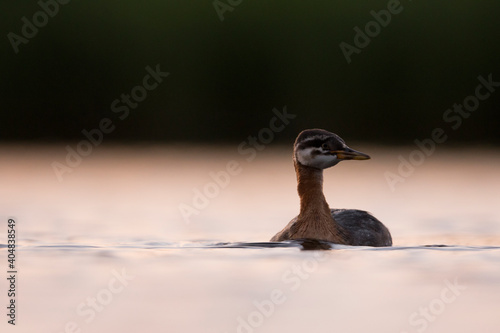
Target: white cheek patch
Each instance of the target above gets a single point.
(325, 161)
(305, 157)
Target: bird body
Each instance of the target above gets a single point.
(315, 150)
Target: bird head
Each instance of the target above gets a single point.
(321, 149)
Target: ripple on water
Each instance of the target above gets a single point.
(303, 244)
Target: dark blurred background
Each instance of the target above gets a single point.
(226, 76)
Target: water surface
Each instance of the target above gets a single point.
(107, 249)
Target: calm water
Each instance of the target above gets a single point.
(107, 249)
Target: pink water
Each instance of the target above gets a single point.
(107, 249)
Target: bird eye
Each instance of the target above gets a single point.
(325, 146)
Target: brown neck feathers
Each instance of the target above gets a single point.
(315, 218)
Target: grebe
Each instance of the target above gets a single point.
(315, 150)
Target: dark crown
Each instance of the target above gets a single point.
(316, 137)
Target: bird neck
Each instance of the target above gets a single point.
(310, 188)
(315, 215)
